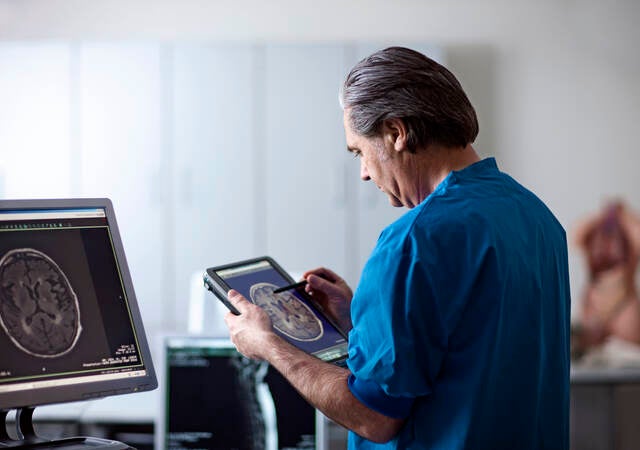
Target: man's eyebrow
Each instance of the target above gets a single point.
(351, 149)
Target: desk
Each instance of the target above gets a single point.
(604, 408)
(128, 418)
(141, 407)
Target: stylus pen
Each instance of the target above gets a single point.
(290, 286)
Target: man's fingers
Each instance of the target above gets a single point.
(314, 281)
(321, 284)
(321, 272)
(237, 300)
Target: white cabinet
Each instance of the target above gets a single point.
(214, 161)
(35, 151)
(121, 120)
(305, 156)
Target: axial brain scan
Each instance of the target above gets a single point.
(39, 309)
(288, 314)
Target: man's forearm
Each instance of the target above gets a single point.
(325, 386)
(322, 384)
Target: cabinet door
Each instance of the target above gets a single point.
(35, 159)
(122, 152)
(305, 157)
(214, 161)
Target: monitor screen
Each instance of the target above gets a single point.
(214, 398)
(70, 328)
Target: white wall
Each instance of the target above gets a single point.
(555, 82)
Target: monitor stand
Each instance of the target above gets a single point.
(28, 440)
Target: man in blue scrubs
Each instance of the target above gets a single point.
(459, 328)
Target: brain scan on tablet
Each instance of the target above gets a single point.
(294, 315)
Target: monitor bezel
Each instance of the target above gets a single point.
(93, 389)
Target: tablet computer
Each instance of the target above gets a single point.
(294, 315)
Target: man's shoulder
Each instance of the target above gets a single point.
(470, 213)
(428, 225)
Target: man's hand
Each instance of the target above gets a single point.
(332, 293)
(252, 330)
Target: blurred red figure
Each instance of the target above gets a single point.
(610, 305)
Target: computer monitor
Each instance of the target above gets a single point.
(70, 328)
(214, 398)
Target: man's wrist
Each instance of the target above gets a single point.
(274, 346)
(284, 356)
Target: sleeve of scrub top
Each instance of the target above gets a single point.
(398, 341)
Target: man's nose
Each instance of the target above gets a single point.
(364, 174)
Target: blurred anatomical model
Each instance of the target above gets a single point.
(610, 306)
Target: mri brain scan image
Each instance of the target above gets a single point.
(39, 309)
(288, 314)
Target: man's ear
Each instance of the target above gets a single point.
(394, 132)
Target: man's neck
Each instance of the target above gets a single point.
(434, 164)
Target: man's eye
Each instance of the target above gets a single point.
(356, 154)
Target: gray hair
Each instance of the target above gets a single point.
(399, 83)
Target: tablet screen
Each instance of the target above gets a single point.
(293, 315)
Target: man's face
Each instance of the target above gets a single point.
(378, 162)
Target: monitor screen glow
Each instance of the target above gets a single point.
(70, 328)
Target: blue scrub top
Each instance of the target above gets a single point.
(461, 320)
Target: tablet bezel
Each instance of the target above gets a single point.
(220, 288)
